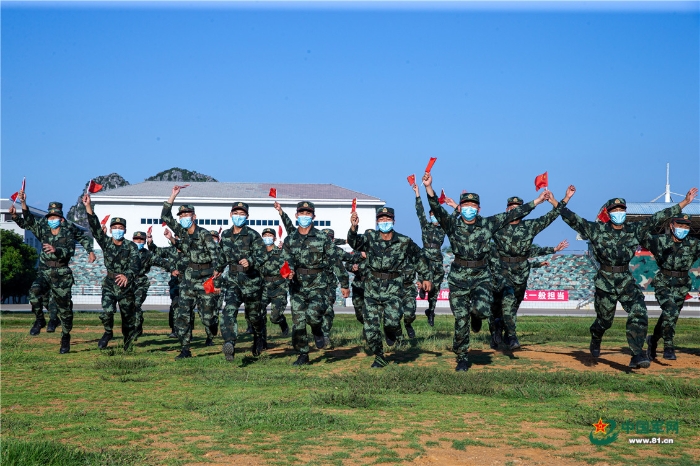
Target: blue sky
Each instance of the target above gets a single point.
(359, 96)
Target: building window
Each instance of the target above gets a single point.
(156, 221)
(143, 221)
(225, 222)
(277, 222)
(219, 222)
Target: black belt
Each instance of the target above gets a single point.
(273, 279)
(513, 259)
(386, 275)
(301, 271)
(472, 264)
(55, 264)
(431, 245)
(615, 268)
(195, 266)
(238, 268)
(674, 273)
(112, 274)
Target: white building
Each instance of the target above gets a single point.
(6, 222)
(141, 204)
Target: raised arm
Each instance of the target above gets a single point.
(356, 241)
(289, 226)
(420, 211)
(645, 226)
(94, 223)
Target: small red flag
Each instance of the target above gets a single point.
(354, 205)
(430, 164)
(603, 215)
(279, 231)
(14, 196)
(442, 197)
(94, 187)
(541, 181)
(220, 228)
(285, 270)
(104, 220)
(688, 296)
(163, 224)
(411, 179)
(273, 192)
(209, 285)
(150, 230)
(184, 186)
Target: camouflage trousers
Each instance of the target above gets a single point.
(506, 302)
(308, 307)
(437, 273)
(174, 285)
(470, 298)
(246, 292)
(140, 294)
(329, 315)
(275, 295)
(358, 303)
(671, 299)
(56, 283)
(632, 301)
(408, 303)
(382, 306)
(50, 305)
(192, 294)
(113, 294)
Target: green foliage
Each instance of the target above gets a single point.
(179, 174)
(45, 453)
(18, 265)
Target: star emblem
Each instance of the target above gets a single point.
(600, 427)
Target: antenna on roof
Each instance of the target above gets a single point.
(666, 194)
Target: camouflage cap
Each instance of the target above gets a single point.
(214, 233)
(385, 212)
(469, 197)
(240, 205)
(617, 202)
(185, 208)
(271, 231)
(117, 221)
(140, 235)
(306, 206)
(515, 200)
(683, 218)
(55, 208)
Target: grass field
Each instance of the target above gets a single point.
(536, 406)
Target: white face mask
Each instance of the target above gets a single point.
(268, 240)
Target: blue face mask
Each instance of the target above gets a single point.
(433, 219)
(238, 220)
(618, 218)
(305, 220)
(118, 234)
(186, 222)
(680, 233)
(268, 240)
(385, 227)
(53, 224)
(469, 213)
(140, 245)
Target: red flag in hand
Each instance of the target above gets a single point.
(430, 164)
(285, 270)
(220, 228)
(603, 215)
(14, 196)
(163, 224)
(209, 285)
(442, 197)
(411, 179)
(279, 231)
(354, 205)
(688, 296)
(273, 192)
(104, 220)
(94, 187)
(150, 230)
(541, 181)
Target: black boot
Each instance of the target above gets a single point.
(410, 331)
(319, 340)
(430, 314)
(379, 362)
(462, 366)
(284, 327)
(184, 353)
(595, 347)
(302, 360)
(670, 354)
(51, 327)
(652, 344)
(209, 342)
(214, 327)
(102, 344)
(229, 350)
(476, 324)
(390, 338)
(640, 361)
(65, 344)
(513, 343)
(39, 323)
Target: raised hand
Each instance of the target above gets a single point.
(689, 197)
(87, 202)
(13, 210)
(354, 220)
(561, 246)
(168, 234)
(278, 207)
(414, 187)
(450, 202)
(570, 191)
(541, 198)
(427, 179)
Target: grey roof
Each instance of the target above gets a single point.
(217, 190)
(650, 208)
(6, 203)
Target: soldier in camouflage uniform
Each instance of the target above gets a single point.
(243, 251)
(614, 244)
(202, 255)
(329, 315)
(433, 236)
(218, 296)
(675, 254)
(513, 244)
(409, 291)
(471, 284)
(308, 252)
(357, 265)
(121, 258)
(389, 253)
(58, 239)
(275, 287)
(177, 263)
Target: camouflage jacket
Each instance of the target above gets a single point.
(473, 242)
(505, 274)
(397, 255)
(674, 256)
(432, 235)
(273, 258)
(361, 273)
(198, 247)
(247, 244)
(64, 241)
(613, 247)
(312, 251)
(119, 259)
